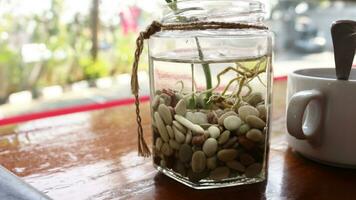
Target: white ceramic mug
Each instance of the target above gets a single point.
(321, 116)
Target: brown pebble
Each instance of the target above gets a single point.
(166, 149)
(211, 162)
(170, 160)
(198, 161)
(254, 98)
(179, 168)
(246, 143)
(219, 173)
(185, 153)
(263, 111)
(255, 122)
(212, 118)
(198, 140)
(196, 177)
(235, 165)
(253, 170)
(255, 135)
(230, 142)
(224, 137)
(227, 154)
(246, 159)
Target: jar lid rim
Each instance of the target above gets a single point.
(214, 10)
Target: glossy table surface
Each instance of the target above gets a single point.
(93, 155)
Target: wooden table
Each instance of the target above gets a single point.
(92, 155)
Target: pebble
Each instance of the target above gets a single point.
(230, 142)
(232, 123)
(167, 99)
(179, 126)
(244, 128)
(159, 144)
(170, 131)
(219, 112)
(224, 137)
(166, 149)
(210, 146)
(255, 135)
(181, 107)
(219, 173)
(165, 114)
(214, 131)
(263, 111)
(255, 122)
(197, 117)
(205, 126)
(190, 116)
(188, 137)
(253, 170)
(158, 92)
(178, 136)
(254, 98)
(195, 177)
(227, 154)
(155, 102)
(212, 118)
(195, 128)
(198, 140)
(246, 143)
(206, 134)
(198, 161)
(201, 118)
(179, 167)
(185, 153)
(246, 159)
(235, 165)
(172, 111)
(223, 116)
(154, 124)
(174, 144)
(211, 162)
(247, 110)
(161, 127)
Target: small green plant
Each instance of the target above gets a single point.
(206, 68)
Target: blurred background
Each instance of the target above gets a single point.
(60, 53)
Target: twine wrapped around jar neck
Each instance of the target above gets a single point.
(155, 27)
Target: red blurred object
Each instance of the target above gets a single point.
(129, 19)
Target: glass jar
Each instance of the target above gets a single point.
(211, 95)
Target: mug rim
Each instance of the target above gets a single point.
(315, 74)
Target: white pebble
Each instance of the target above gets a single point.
(195, 128)
(214, 131)
(181, 107)
(210, 146)
(232, 122)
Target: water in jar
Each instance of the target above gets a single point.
(210, 118)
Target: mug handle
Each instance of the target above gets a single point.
(295, 113)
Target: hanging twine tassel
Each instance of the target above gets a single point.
(143, 149)
(155, 27)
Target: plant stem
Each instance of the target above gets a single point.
(206, 69)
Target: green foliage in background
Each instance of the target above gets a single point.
(93, 69)
(69, 45)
